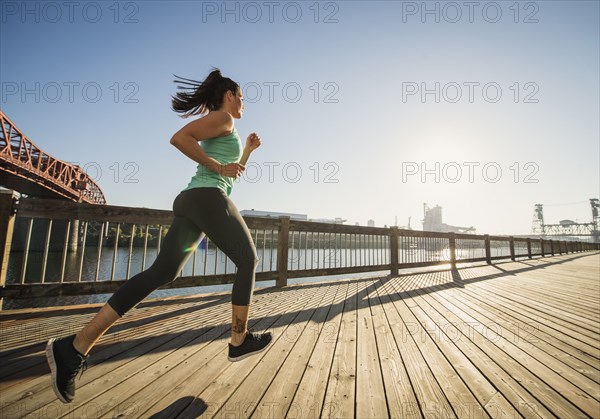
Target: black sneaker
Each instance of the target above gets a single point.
(65, 362)
(253, 343)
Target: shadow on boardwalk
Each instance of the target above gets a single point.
(21, 362)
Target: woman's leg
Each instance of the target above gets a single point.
(225, 227)
(87, 337)
(178, 244)
(67, 356)
(239, 323)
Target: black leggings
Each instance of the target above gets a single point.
(198, 212)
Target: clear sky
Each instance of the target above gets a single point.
(365, 109)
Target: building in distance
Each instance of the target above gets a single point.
(293, 216)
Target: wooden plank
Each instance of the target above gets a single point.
(580, 338)
(250, 394)
(552, 366)
(569, 320)
(401, 399)
(462, 401)
(46, 327)
(220, 389)
(543, 332)
(549, 272)
(60, 289)
(138, 317)
(111, 391)
(107, 362)
(107, 358)
(547, 283)
(342, 380)
(534, 307)
(302, 273)
(431, 398)
(285, 384)
(558, 301)
(524, 374)
(493, 402)
(578, 299)
(201, 367)
(523, 403)
(311, 390)
(62, 209)
(522, 365)
(370, 393)
(35, 360)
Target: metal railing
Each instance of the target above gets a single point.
(55, 248)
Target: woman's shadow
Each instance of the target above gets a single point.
(199, 407)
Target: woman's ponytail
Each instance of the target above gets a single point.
(202, 96)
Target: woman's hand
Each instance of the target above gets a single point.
(252, 142)
(233, 170)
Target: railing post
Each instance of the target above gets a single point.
(8, 199)
(511, 245)
(394, 249)
(452, 246)
(282, 251)
(551, 247)
(542, 247)
(488, 250)
(529, 248)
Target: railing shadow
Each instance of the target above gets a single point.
(94, 307)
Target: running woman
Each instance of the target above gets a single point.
(203, 208)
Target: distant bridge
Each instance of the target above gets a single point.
(26, 168)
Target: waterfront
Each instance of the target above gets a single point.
(207, 262)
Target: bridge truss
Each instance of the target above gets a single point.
(27, 169)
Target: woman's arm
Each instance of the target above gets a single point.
(245, 156)
(189, 146)
(252, 143)
(187, 139)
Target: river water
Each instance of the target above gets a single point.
(208, 261)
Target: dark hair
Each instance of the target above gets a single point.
(205, 96)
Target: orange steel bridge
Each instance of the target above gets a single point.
(27, 169)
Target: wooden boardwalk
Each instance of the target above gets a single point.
(515, 339)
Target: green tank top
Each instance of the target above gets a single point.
(225, 150)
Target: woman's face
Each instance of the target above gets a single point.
(238, 104)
